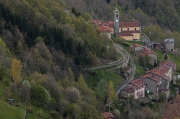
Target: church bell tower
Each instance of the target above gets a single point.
(116, 21)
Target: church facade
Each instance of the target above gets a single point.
(127, 30)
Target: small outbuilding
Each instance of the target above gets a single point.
(169, 44)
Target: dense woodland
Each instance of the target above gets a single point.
(44, 51)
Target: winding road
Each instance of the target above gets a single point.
(122, 62)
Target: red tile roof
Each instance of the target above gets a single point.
(125, 33)
(150, 76)
(129, 90)
(135, 31)
(129, 24)
(104, 29)
(147, 75)
(157, 73)
(160, 71)
(110, 24)
(97, 22)
(169, 64)
(146, 51)
(157, 79)
(134, 46)
(138, 82)
(107, 115)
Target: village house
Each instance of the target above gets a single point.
(158, 79)
(135, 47)
(169, 45)
(127, 30)
(142, 50)
(127, 92)
(152, 83)
(154, 45)
(135, 88)
(107, 115)
(105, 30)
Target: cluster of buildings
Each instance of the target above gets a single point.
(127, 30)
(156, 80)
(144, 51)
(167, 46)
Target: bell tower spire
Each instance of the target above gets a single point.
(116, 21)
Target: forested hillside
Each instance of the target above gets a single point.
(45, 46)
(43, 51)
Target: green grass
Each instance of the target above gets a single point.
(2, 91)
(101, 74)
(10, 112)
(133, 42)
(172, 89)
(13, 112)
(139, 70)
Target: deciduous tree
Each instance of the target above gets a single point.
(111, 91)
(39, 95)
(16, 70)
(73, 94)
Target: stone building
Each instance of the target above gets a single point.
(135, 88)
(169, 45)
(158, 79)
(142, 50)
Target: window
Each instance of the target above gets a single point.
(128, 29)
(135, 29)
(116, 15)
(121, 29)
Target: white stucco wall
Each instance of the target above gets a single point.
(169, 73)
(139, 93)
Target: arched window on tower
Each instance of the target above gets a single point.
(116, 15)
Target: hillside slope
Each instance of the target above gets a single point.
(10, 112)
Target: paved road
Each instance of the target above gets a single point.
(118, 63)
(145, 38)
(131, 77)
